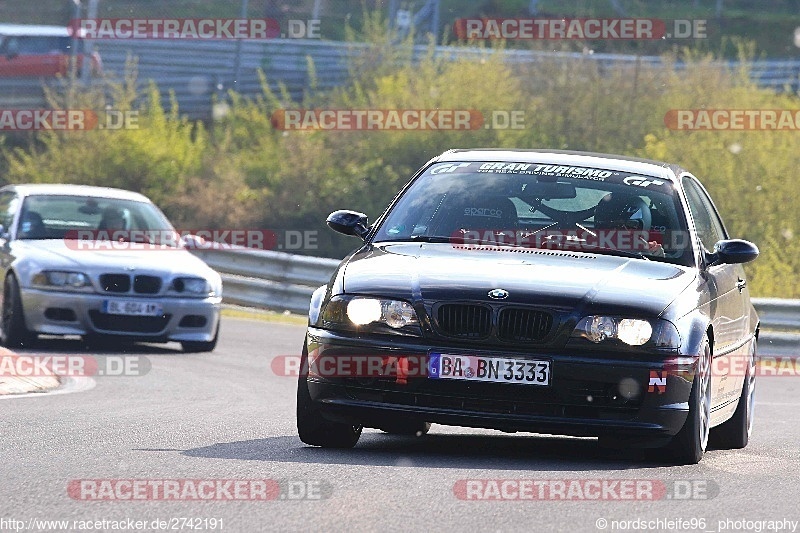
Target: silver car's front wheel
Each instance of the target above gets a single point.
(13, 332)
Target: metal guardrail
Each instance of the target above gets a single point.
(267, 279)
(780, 325)
(200, 71)
(284, 282)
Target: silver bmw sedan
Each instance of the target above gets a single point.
(100, 263)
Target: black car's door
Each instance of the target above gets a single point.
(727, 307)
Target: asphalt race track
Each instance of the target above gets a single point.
(228, 416)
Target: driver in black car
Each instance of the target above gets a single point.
(619, 211)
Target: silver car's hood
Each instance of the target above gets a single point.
(34, 255)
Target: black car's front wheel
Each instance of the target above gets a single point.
(14, 333)
(689, 445)
(735, 432)
(316, 430)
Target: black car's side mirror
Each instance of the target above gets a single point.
(733, 251)
(349, 223)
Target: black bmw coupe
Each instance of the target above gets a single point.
(552, 292)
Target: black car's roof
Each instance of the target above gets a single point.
(566, 157)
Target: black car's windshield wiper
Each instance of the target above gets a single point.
(454, 240)
(615, 251)
(419, 238)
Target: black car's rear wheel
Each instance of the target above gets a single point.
(14, 332)
(735, 432)
(689, 445)
(313, 428)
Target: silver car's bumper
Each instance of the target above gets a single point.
(183, 319)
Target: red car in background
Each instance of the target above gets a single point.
(40, 51)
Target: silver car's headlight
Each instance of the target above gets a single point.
(189, 286)
(61, 280)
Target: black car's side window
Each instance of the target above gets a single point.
(709, 226)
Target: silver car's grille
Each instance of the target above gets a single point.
(121, 283)
(115, 282)
(146, 284)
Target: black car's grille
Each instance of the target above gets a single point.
(121, 283)
(474, 322)
(129, 324)
(464, 321)
(146, 284)
(523, 324)
(115, 282)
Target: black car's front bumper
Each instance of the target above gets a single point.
(593, 394)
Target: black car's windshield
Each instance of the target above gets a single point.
(79, 217)
(542, 206)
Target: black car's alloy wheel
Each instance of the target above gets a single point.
(735, 433)
(689, 445)
(313, 428)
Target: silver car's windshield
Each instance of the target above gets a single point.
(74, 217)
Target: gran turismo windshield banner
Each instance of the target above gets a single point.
(554, 172)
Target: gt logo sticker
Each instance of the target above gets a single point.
(658, 382)
(447, 167)
(641, 181)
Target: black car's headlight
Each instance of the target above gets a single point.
(658, 334)
(189, 286)
(363, 313)
(61, 280)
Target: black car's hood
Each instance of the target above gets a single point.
(566, 280)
